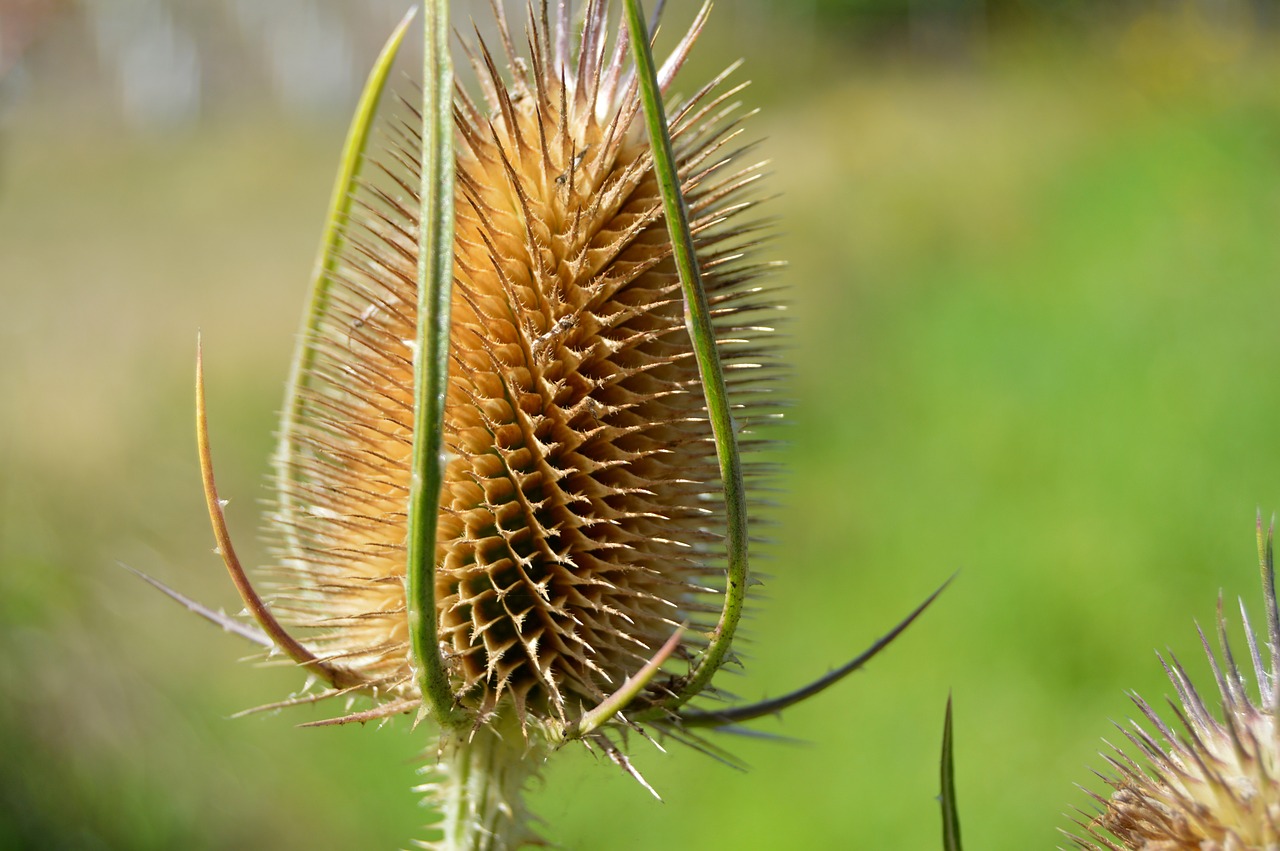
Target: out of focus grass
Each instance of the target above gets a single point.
(1036, 295)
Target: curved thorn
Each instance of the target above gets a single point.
(386, 710)
(305, 700)
(738, 714)
(279, 637)
(227, 622)
(618, 758)
(627, 692)
(761, 735)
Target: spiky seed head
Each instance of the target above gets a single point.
(1210, 782)
(582, 513)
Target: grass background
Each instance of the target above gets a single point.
(1035, 289)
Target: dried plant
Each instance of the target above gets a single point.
(524, 414)
(1212, 781)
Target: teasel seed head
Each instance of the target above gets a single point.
(581, 515)
(1210, 782)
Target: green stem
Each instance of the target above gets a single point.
(479, 790)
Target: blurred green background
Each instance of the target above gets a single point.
(1036, 281)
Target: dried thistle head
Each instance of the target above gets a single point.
(1213, 784)
(581, 512)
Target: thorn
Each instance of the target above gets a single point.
(253, 602)
(221, 619)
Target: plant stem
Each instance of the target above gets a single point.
(478, 788)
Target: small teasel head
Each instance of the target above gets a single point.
(1209, 781)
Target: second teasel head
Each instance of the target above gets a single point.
(1208, 779)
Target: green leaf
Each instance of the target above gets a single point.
(950, 811)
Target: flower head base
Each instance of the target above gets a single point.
(1214, 785)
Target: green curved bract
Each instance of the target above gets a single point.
(353, 156)
(431, 367)
(698, 320)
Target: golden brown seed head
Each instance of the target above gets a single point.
(1212, 782)
(581, 515)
